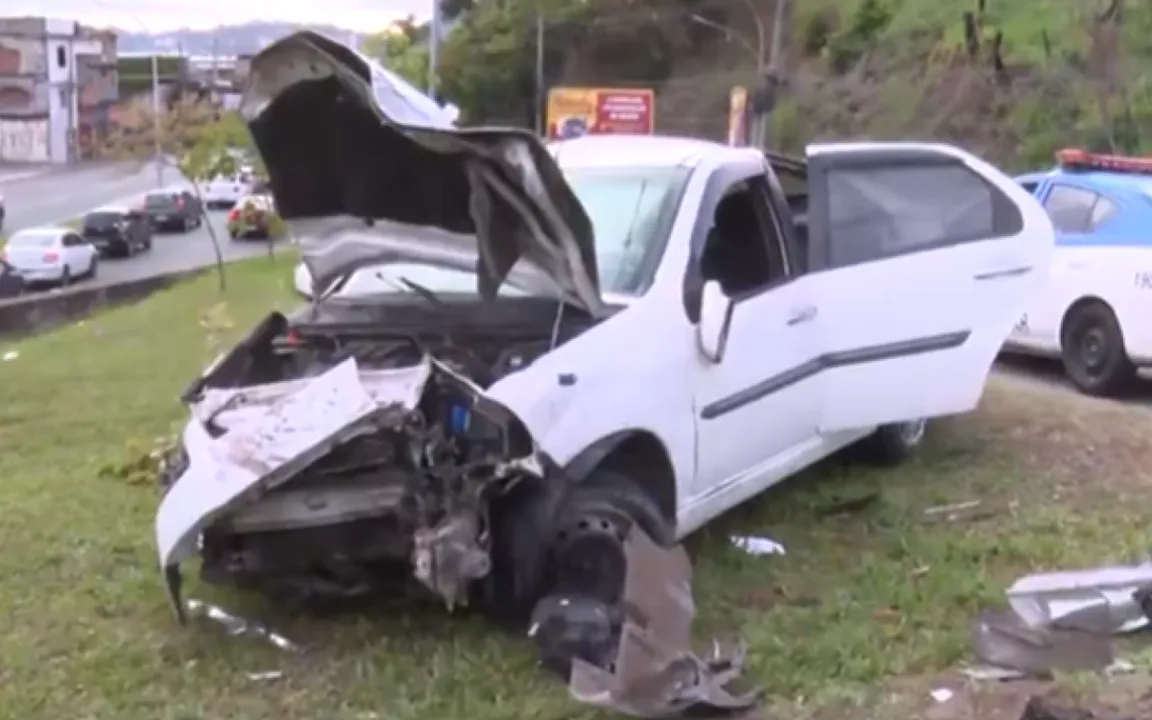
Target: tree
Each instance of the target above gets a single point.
(193, 136)
(403, 49)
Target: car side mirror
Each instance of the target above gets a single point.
(715, 318)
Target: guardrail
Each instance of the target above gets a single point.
(30, 314)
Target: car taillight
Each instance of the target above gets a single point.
(51, 256)
(179, 203)
(233, 215)
(293, 338)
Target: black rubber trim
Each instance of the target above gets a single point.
(868, 354)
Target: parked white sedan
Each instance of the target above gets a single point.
(51, 255)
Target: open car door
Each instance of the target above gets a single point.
(922, 258)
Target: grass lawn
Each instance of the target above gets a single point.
(866, 613)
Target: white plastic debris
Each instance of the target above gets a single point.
(266, 676)
(11, 355)
(758, 545)
(942, 695)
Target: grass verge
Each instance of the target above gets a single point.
(868, 611)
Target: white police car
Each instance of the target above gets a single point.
(1094, 311)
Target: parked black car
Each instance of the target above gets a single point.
(173, 210)
(11, 282)
(118, 231)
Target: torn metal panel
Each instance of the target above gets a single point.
(656, 674)
(1004, 640)
(1100, 600)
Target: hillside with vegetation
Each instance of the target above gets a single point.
(1012, 80)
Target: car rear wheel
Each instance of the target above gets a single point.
(66, 277)
(893, 444)
(93, 266)
(1092, 349)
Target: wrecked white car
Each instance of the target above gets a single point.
(569, 341)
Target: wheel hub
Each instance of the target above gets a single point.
(589, 559)
(1093, 349)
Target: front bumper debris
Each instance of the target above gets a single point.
(656, 674)
(243, 443)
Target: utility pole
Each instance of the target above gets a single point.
(215, 49)
(540, 94)
(157, 143)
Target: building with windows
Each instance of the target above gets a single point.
(57, 88)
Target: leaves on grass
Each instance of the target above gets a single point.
(142, 462)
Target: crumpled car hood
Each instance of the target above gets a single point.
(348, 144)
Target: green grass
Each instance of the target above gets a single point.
(866, 610)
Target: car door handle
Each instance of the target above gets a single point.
(802, 315)
(1001, 274)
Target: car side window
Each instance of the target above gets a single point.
(1103, 211)
(1071, 208)
(72, 240)
(1030, 186)
(745, 249)
(880, 211)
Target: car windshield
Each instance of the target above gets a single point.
(32, 240)
(631, 209)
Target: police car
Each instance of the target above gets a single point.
(1093, 312)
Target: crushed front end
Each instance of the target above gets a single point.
(342, 484)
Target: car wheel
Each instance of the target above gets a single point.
(892, 444)
(92, 268)
(66, 277)
(187, 224)
(579, 608)
(1092, 349)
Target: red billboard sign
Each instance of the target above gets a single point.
(573, 112)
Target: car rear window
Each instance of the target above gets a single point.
(102, 219)
(159, 200)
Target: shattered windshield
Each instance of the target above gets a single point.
(632, 209)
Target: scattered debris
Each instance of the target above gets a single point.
(1103, 600)
(850, 506)
(942, 695)
(969, 510)
(266, 676)
(756, 545)
(1004, 640)
(656, 674)
(1063, 621)
(992, 672)
(11, 355)
(1040, 708)
(236, 626)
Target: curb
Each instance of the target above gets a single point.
(38, 313)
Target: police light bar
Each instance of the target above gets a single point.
(1073, 159)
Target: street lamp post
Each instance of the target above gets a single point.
(157, 154)
(767, 62)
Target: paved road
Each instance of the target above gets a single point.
(60, 195)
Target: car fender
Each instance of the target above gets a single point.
(573, 401)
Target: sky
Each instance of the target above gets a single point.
(163, 15)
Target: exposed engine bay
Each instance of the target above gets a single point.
(397, 487)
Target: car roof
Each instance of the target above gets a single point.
(44, 231)
(638, 150)
(1112, 183)
(120, 209)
